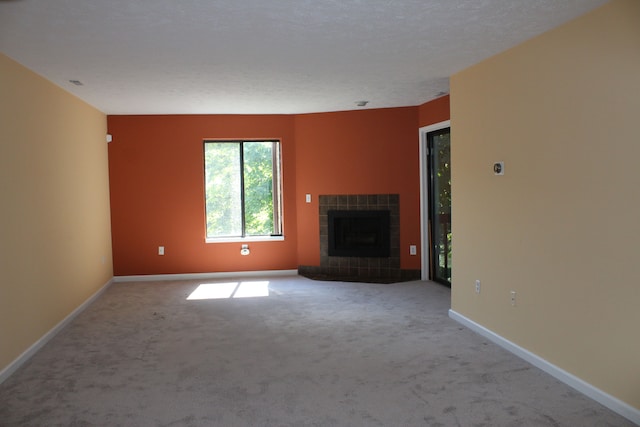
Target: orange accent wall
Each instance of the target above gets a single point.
(157, 183)
(358, 152)
(157, 194)
(435, 111)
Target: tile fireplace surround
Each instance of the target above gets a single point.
(360, 269)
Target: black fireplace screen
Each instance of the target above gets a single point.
(358, 233)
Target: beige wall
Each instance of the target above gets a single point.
(562, 226)
(55, 244)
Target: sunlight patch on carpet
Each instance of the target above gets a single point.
(230, 290)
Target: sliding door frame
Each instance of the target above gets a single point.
(425, 248)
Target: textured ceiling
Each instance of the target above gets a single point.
(265, 56)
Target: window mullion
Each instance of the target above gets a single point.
(242, 207)
(275, 166)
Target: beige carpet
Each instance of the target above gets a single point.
(310, 353)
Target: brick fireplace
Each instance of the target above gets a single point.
(381, 269)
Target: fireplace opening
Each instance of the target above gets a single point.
(358, 233)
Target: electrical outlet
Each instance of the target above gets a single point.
(513, 298)
(412, 250)
(160, 250)
(477, 286)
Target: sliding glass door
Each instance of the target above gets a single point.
(439, 154)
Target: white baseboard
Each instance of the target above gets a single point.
(28, 353)
(616, 405)
(199, 276)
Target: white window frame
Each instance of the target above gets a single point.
(277, 194)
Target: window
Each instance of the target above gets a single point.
(242, 189)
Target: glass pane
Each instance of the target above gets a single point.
(441, 203)
(223, 189)
(258, 185)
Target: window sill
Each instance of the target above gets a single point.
(244, 239)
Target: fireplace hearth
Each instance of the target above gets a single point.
(378, 256)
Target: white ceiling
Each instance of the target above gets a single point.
(265, 56)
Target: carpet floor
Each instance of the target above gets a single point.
(282, 352)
